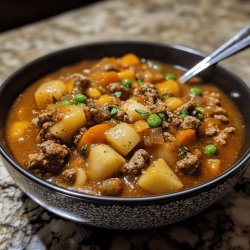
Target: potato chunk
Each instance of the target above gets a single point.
(131, 105)
(122, 138)
(81, 178)
(159, 178)
(74, 118)
(168, 151)
(18, 129)
(103, 162)
(45, 93)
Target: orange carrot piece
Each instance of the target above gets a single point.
(186, 137)
(95, 134)
(140, 126)
(110, 77)
(69, 86)
(108, 99)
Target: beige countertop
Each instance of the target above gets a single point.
(203, 25)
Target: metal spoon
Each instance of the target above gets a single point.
(238, 42)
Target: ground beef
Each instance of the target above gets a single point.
(212, 131)
(168, 137)
(223, 135)
(148, 91)
(211, 98)
(79, 135)
(189, 105)
(218, 110)
(128, 119)
(120, 115)
(80, 83)
(69, 175)
(47, 115)
(137, 163)
(100, 114)
(158, 107)
(114, 87)
(189, 164)
(45, 121)
(222, 118)
(110, 67)
(113, 122)
(190, 122)
(51, 157)
(165, 125)
(111, 187)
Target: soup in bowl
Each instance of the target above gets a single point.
(118, 132)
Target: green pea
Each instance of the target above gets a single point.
(196, 91)
(80, 98)
(170, 76)
(65, 103)
(127, 83)
(154, 121)
(198, 113)
(81, 104)
(210, 149)
(200, 116)
(183, 113)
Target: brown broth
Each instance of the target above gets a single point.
(24, 109)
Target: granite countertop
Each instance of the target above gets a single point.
(203, 25)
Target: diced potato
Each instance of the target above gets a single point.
(74, 118)
(81, 178)
(168, 87)
(131, 105)
(103, 162)
(45, 93)
(108, 99)
(130, 60)
(93, 92)
(18, 129)
(168, 151)
(173, 102)
(127, 74)
(213, 166)
(122, 138)
(159, 178)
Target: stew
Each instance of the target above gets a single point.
(124, 127)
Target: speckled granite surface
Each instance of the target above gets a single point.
(203, 25)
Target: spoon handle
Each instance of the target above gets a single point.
(238, 42)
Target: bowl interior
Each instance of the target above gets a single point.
(171, 54)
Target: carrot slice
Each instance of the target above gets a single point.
(95, 134)
(140, 126)
(186, 137)
(110, 77)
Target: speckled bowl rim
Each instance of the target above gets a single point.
(238, 165)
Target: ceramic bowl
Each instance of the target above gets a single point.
(119, 212)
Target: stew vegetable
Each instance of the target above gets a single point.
(124, 127)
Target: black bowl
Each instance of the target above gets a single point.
(119, 212)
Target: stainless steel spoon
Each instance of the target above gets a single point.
(237, 43)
